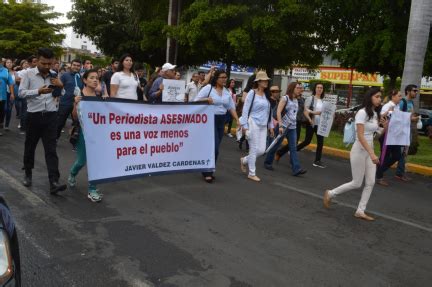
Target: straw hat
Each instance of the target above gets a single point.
(261, 76)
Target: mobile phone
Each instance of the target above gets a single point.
(51, 87)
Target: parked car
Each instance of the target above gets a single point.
(10, 266)
(425, 115)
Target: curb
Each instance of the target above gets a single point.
(410, 167)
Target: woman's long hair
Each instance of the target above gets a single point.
(367, 102)
(315, 87)
(121, 67)
(290, 90)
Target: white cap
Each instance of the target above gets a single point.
(167, 67)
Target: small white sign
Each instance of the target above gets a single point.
(174, 91)
(326, 118)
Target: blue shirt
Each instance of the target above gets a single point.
(222, 103)
(5, 81)
(260, 111)
(154, 99)
(70, 81)
(410, 105)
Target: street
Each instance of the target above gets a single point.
(177, 230)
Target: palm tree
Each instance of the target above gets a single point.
(417, 42)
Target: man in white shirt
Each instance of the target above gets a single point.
(192, 88)
(37, 87)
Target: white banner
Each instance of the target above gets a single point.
(399, 129)
(326, 119)
(174, 91)
(128, 139)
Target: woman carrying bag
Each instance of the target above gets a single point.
(312, 112)
(255, 121)
(362, 157)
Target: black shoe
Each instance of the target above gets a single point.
(319, 164)
(55, 187)
(300, 172)
(27, 182)
(268, 167)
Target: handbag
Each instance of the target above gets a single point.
(349, 132)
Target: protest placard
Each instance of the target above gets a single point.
(125, 140)
(326, 118)
(174, 91)
(399, 129)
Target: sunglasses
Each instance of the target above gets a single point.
(275, 91)
(415, 91)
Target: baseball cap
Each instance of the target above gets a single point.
(168, 66)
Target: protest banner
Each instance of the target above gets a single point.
(326, 118)
(174, 91)
(132, 139)
(399, 129)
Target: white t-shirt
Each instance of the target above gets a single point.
(370, 125)
(387, 107)
(317, 107)
(127, 85)
(191, 91)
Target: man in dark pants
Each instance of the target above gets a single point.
(72, 86)
(36, 87)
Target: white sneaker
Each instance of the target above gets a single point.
(230, 135)
(19, 126)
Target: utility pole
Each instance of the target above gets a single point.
(173, 20)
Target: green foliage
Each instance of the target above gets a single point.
(368, 35)
(26, 27)
(388, 88)
(266, 34)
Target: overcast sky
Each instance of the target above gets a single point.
(62, 6)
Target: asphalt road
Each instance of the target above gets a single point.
(177, 230)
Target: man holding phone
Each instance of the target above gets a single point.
(37, 86)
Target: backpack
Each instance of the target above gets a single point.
(349, 132)
(404, 105)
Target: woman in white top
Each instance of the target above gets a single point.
(363, 158)
(124, 83)
(255, 120)
(216, 94)
(312, 111)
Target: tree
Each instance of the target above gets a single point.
(417, 43)
(26, 27)
(262, 33)
(367, 35)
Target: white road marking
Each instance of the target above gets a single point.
(30, 196)
(376, 213)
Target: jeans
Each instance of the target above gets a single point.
(81, 159)
(8, 109)
(400, 171)
(310, 130)
(63, 114)
(362, 167)
(2, 112)
(229, 120)
(219, 126)
(42, 126)
(392, 155)
(291, 136)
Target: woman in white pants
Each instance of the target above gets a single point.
(363, 158)
(255, 121)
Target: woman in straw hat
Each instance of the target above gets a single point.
(255, 121)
